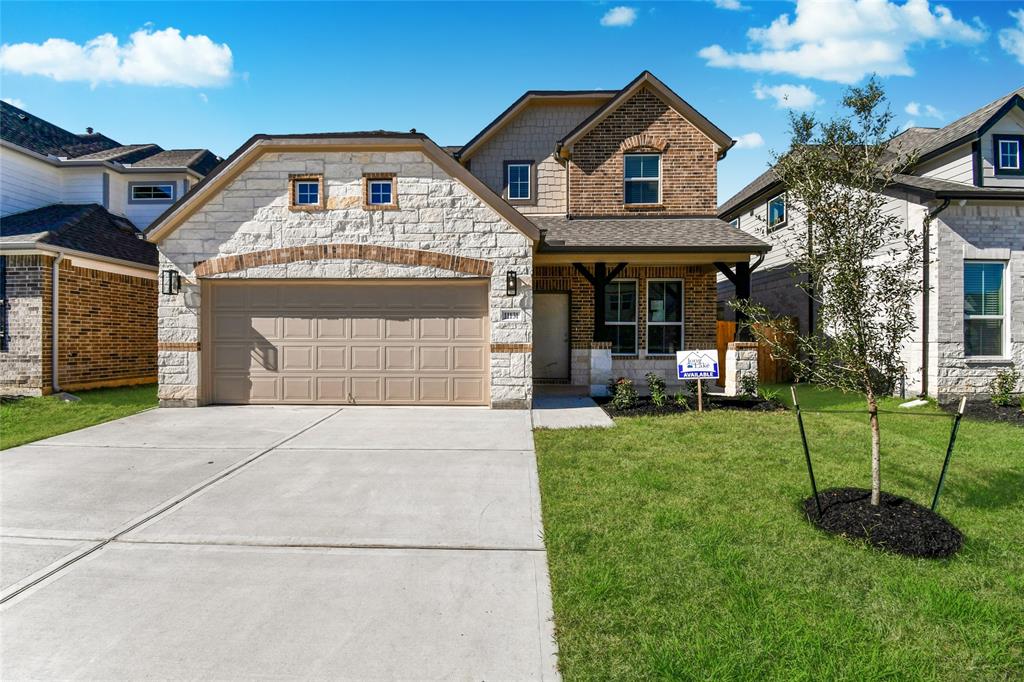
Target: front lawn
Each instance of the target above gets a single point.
(677, 550)
(28, 419)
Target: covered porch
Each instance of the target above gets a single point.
(617, 297)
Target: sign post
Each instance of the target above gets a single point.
(697, 364)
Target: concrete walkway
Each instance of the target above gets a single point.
(277, 542)
(555, 411)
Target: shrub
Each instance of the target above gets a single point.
(624, 395)
(770, 395)
(748, 385)
(682, 399)
(1004, 386)
(656, 385)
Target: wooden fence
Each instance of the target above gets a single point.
(769, 370)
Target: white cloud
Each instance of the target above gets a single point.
(619, 16)
(730, 4)
(15, 101)
(925, 110)
(845, 40)
(148, 58)
(788, 96)
(1012, 39)
(749, 141)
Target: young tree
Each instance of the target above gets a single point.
(859, 262)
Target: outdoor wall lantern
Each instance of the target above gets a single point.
(511, 283)
(170, 282)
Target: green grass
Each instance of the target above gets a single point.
(677, 550)
(29, 419)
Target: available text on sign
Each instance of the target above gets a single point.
(697, 364)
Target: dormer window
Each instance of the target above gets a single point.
(1008, 153)
(642, 179)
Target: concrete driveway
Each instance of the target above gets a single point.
(277, 542)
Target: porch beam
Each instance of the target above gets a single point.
(599, 280)
(740, 278)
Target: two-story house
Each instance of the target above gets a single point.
(573, 239)
(77, 280)
(969, 177)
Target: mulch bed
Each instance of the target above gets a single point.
(896, 525)
(645, 408)
(986, 411)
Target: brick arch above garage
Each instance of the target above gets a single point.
(317, 252)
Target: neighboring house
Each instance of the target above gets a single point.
(970, 176)
(573, 239)
(71, 209)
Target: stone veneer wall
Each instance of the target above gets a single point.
(531, 136)
(435, 213)
(23, 370)
(688, 166)
(699, 318)
(994, 232)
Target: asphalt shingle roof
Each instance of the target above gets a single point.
(82, 227)
(697, 234)
(941, 187)
(31, 132)
(200, 160)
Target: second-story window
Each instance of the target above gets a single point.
(380, 191)
(307, 192)
(777, 213)
(642, 179)
(1008, 153)
(519, 181)
(155, 192)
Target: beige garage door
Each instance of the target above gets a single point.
(379, 343)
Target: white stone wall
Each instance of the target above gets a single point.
(531, 136)
(437, 213)
(993, 232)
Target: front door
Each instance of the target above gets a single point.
(551, 336)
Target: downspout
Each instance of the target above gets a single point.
(925, 298)
(54, 320)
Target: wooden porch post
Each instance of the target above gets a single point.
(599, 280)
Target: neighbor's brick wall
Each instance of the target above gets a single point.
(22, 367)
(688, 164)
(699, 315)
(107, 330)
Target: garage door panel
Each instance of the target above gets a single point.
(349, 343)
(296, 358)
(468, 358)
(331, 357)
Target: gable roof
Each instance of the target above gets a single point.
(925, 143)
(929, 143)
(201, 161)
(42, 137)
(677, 103)
(378, 140)
(88, 228)
(529, 97)
(122, 154)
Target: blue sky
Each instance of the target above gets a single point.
(234, 69)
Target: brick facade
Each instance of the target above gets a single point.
(688, 166)
(107, 328)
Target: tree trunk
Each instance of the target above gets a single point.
(876, 452)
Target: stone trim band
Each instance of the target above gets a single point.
(511, 348)
(314, 252)
(187, 346)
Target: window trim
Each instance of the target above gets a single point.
(682, 316)
(132, 186)
(531, 200)
(369, 178)
(769, 228)
(997, 141)
(635, 323)
(294, 180)
(1004, 318)
(626, 180)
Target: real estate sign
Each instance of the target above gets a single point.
(697, 364)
